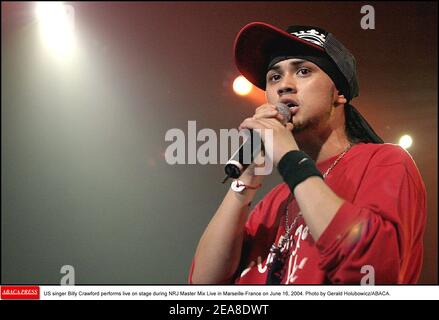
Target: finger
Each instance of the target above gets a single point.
(280, 117)
(271, 123)
(243, 123)
(270, 114)
(251, 123)
(265, 107)
(266, 114)
(289, 126)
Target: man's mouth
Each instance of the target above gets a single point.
(294, 107)
(289, 102)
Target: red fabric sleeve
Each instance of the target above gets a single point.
(382, 228)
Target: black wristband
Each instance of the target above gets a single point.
(295, 167)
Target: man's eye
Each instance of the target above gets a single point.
(274, 77)
(303, 71)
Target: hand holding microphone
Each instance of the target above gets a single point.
(275, 117)
(279, 111)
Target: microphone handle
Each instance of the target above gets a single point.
(239, 160)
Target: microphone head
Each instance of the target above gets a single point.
(284, 111)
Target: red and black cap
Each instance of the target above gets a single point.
(258, 46)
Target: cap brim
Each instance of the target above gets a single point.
(255, 44)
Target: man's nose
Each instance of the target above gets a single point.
(287, 85)
(285, 89)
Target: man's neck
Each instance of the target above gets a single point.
(325, 146)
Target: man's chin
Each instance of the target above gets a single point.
(298, 128)
(301, 132)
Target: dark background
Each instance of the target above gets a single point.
(84, 179)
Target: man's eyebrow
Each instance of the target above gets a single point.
(294, 63)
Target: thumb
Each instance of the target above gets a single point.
(289, 126)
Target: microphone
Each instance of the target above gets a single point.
(250, 148)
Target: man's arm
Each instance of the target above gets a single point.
(219, 249)
(318, 204)
(380, 233)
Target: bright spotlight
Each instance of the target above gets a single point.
(56, 22)
(405, 141)
(242, 86)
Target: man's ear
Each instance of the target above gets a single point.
(340, 100)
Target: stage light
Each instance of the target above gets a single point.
(242, 86)
(56, 23)
(405, 141)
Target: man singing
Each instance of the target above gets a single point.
(351, 209)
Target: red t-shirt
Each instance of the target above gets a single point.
(375, 237)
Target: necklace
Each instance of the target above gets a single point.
(275, 250)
